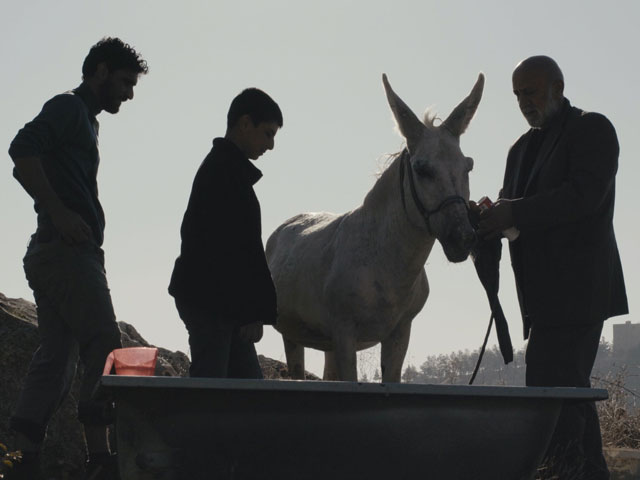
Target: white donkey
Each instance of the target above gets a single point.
(347, 282)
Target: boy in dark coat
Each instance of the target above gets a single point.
(221, 282)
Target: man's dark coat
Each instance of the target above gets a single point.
(566, 260)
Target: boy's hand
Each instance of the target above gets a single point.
(252, 332)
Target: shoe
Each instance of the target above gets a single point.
(104, 467)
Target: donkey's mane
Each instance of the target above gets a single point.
(429, 120)
(430, 117)
(386, 160)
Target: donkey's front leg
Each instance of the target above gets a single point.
(344, 353)
(394, 349)
(295, 359)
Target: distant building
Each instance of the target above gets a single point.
(625, 337)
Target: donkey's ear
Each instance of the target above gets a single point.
(410, 126)
(459, 119)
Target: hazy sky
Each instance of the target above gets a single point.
(322, 62)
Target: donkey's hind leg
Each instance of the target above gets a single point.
(394, 349)
(295, 359)
(346, 360)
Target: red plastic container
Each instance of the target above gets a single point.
(132, 361)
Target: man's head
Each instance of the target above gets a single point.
(538, 85)
(253, 121)
(112, 68)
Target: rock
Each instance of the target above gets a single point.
(63, 451)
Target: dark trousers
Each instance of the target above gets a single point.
(75, 318)
(564, 357)
(217, 351)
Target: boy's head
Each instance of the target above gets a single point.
(112, 68)
(253, 121)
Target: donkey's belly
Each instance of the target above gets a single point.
(296, 331)
(297, 328)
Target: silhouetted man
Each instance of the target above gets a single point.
(559, 192)
(56, 161)
(221, 282)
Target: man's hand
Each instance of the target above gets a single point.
(72, 228)
(251, 332)
(70, 225)
(495, 220)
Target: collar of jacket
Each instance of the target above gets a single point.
(552, 133)
(239, 160)
(89, 98)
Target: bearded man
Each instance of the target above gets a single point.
(56, 161)
(559, 193)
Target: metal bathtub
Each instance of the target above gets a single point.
(171, 428)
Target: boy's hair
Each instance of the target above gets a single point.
(116, 54)
(255, 103)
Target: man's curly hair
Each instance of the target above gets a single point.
(116, 54)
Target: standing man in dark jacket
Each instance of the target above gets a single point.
(559, 192)
(221, 282)
(56, 161)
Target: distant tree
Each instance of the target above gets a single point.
(410, 374)
(457, 367)
(368, 362)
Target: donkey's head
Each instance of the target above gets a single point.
(439, 170)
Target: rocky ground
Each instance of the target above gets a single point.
(63, 454)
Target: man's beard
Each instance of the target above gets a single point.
(551, 108)
(109, 100)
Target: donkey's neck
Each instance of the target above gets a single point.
(398, 230)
